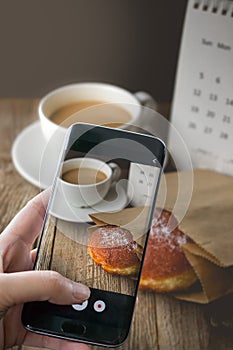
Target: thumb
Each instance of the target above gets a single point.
(21, 287)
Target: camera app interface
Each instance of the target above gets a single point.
(98, 220)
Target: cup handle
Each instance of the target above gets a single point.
(146, 100)
(116, 171)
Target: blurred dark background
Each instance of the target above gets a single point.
(49, 43)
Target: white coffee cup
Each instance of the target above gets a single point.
(73, 93)
(86, 195)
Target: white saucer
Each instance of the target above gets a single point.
(61, 209)
(30, 159)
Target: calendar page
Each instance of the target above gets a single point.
(202, 109)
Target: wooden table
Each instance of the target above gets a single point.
(160, 321)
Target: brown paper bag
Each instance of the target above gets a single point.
(209, 223)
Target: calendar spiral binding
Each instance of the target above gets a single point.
(223, 7)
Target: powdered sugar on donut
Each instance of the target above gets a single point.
(161, 233)
(113, 236)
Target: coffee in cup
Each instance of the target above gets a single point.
(84, 176)
(61, 114)
(86, 181)
(93, 103)
(107, 114)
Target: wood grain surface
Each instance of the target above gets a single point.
(160, 321)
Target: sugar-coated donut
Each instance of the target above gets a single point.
(165, 267)
(114, 249)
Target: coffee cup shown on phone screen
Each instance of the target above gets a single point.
(86, 181)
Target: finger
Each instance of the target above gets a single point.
(27, 224)
(20, 287)
(52, 343)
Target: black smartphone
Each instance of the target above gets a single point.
(95, 231)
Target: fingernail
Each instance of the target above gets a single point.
(80, 291)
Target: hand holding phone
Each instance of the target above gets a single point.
(18, 285)
(102, 171)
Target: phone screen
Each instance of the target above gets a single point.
(96, 230)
